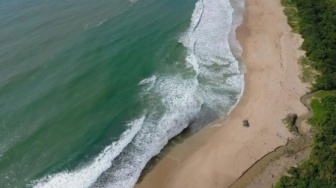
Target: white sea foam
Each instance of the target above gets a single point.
(101, 22)
(208, 42)
(87, 175)
(177, 99)
(149, 82)
(180, 103)
(239, 6)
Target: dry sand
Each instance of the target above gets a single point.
(217, 156)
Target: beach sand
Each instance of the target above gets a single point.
(220, 153)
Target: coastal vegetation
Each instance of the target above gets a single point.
(291, 12)
(315, 21)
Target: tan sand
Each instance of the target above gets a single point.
(217, 156)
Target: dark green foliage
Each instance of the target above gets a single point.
(320, 169)
(315, 20)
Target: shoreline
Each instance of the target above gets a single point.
(222, 153)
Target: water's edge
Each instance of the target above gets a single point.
(238, 15)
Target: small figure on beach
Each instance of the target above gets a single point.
(246, 123)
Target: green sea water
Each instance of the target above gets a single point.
(87, 86)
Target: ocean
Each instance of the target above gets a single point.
(90, 91)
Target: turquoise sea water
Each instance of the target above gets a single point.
(91, 90)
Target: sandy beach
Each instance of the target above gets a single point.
(221, 153)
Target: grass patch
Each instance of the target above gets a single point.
(307, 72)
(291, 12)
(323, 94)
(319, 107)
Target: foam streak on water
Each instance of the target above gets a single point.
(173, 100)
